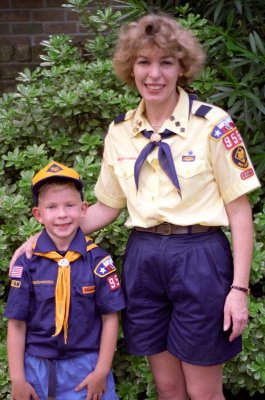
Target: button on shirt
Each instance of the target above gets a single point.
(210, 158)
(32, 299)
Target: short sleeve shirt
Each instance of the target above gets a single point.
(95, 291)
(211, 161)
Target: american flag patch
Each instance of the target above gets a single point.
(17, 271)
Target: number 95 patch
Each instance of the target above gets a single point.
(113, 282)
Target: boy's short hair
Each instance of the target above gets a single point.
(55, 172)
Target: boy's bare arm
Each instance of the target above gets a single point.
(96, 381)
(16, 336)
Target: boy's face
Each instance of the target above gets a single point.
(60, 210)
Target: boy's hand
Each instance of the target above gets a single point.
(26, 247)
(96, 385)
(23, 391)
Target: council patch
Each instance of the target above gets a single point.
(105, 267)
(225, 126)
(239, 157)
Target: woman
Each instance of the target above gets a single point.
(181, 169)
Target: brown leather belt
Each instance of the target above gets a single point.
(170, 229)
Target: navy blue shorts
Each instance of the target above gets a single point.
(175, 287)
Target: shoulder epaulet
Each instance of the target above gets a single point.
(123, 117)
(203, 110)
(119, 118)
(90, 244)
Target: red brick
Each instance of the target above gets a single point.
(48, 15)
(16, 39)
(36, 39)
(27, 3)
(13, 15)
(6, 52)
(4, 29)
(62, 27)
(5, 4)
(55, 3)
(71, 15)
(23, 52)
(7, 86)
(36, 51)
(30, 28)
(13, 69)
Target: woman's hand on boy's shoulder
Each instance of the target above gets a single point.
(26, 247)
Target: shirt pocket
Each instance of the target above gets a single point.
(43, 311)
(43, 292)
(83, 302)
(189, 170)
(85, 290)
(124, 170)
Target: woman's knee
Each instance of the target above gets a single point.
(168, 376)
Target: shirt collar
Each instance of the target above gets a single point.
(45, 244)
(176, 123)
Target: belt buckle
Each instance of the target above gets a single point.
(166, 229)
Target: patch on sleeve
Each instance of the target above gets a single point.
(223, 128)
(239, 157)
(15, 284)
(17, 271)
(232, 139)
(247, 174)
(105, 267)
(113, 282)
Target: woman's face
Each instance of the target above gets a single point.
(156, 73)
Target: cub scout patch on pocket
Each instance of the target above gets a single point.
(15, 284)
(105, 267)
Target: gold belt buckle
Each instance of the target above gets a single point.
(166, 229)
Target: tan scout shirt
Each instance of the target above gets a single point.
(211, 161)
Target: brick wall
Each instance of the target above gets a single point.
(23, 25)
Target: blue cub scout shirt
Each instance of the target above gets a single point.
(95, 291)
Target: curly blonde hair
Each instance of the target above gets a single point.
(165, 33)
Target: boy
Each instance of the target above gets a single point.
(63, 302)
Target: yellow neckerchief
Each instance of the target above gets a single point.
(63, 289)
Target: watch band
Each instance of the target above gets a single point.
(242, 289)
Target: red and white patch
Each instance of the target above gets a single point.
(113, 282)
(247, 174)
(232, 139)
(17, 271)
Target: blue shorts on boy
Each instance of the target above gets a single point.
(95, 291)
(179, 285)
(70, 372)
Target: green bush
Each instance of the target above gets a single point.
(61, 111)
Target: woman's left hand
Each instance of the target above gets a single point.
(235, 313)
